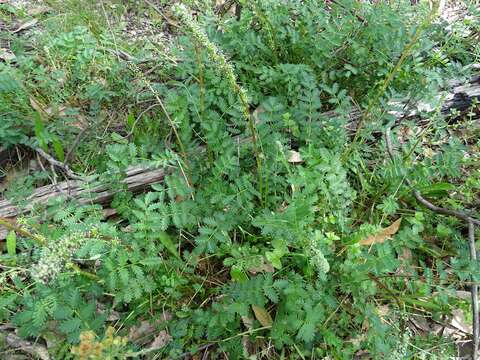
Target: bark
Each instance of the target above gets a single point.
(137, 179)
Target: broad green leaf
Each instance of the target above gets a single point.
(130, 120)
(166, 241)
(58, 148)
(40, 132)
(437, 189)
(237, 274)
(274, 258)
(11, 243)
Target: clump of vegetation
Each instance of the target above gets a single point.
(281, 227)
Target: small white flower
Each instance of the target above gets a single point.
(55, 255)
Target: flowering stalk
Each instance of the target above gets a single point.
(224, 68)
(55, 256)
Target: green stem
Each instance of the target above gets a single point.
(23, 232)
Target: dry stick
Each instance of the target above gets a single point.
(458, 214)
(132, 131)
(59, 164)
(75, 143)
(471, 239)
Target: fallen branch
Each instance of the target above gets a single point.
(137, 179)
(459, 99)
(471, 222)
(58, 164)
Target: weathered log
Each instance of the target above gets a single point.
(139, 178)
(461, 97)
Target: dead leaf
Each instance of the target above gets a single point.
(263, 267)
(406, 255)
(294, 157)
(383, 311)
(162, 339)
(33, 349)
(248, 347)
(458, 325)
(25, 26)
(428, 152)
(247, 321)
(383, 235)
(256, 114)
(81, 122)
(356, 341)
(262, 316)
(462, 294)
(136, 333)
(362, 354)
(109, 212)
(112, 314)
(420, 325)
(139, 334)
(7, 55)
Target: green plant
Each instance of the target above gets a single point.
(250, 250)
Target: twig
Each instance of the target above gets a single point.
(190, 353)
(458, 214)
(223, 8)
(471, 222)
(59, 164)
(53, 178)
(130, 133)
(75, 143)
